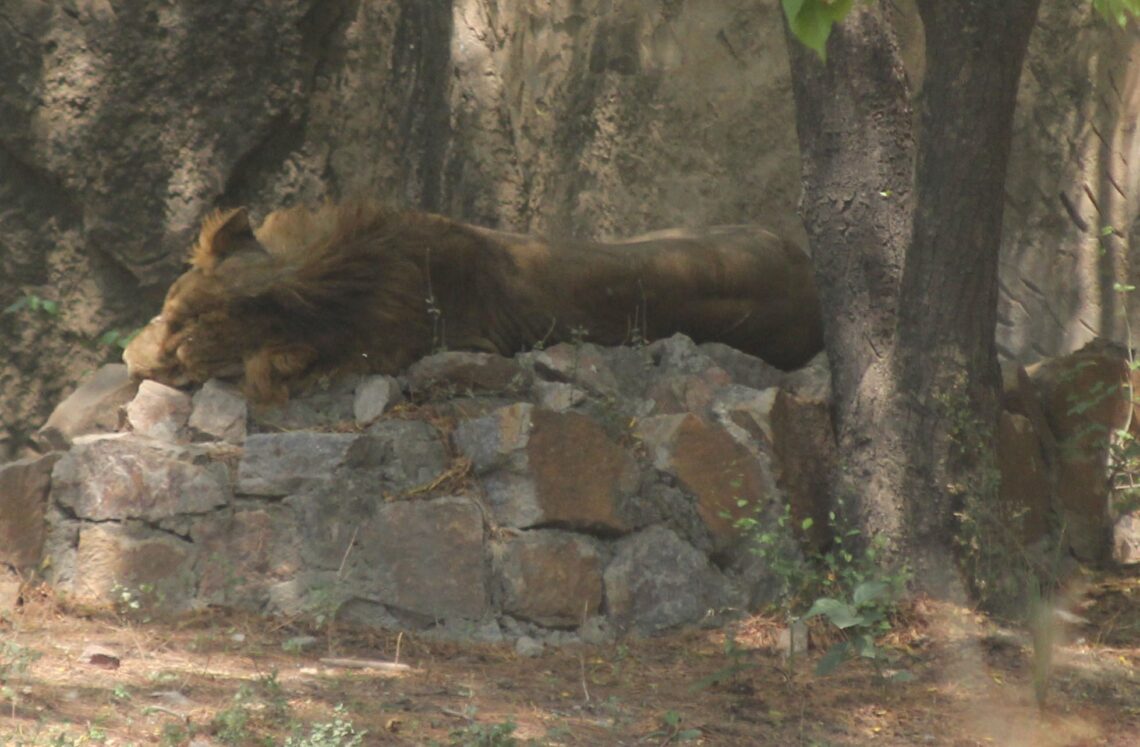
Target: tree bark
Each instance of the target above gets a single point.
(905, 236)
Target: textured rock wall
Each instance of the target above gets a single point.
(571, 487)
(1074, 172)
(122, 123)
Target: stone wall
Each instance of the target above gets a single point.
(477, 495)
(571, 492)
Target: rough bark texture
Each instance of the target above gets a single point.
(857, 145)
(910, 280)
(946, 358)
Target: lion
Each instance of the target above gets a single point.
(360, 287)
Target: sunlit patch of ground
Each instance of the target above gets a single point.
(219, 678)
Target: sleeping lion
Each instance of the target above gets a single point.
(362, 288)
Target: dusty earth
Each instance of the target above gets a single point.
(218, 678)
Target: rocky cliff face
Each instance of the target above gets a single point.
(121, 124)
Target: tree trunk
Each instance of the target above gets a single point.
(909, 277)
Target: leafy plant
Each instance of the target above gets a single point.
(486, 735)
(844, 583)
(811, 21)
(1118, 10)
(35, 304)
(865, 615)
(336, 733)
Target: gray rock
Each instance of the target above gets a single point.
(159, 411)
(421, 560)
(528, 647)
(596, 631)
(531, 477)
(584, 365)
(374, 396)
(23, 501)
(657, 581)
(245, 551)
(745, 370)
(127, 476)
(325, 407)
(398, 455)
(10, 586)
(220, 412)
(1126, 539)
(452, 374)
(746, 414)
(557, 396)
(277, 464)
(497, 440)
(425, 557)
(94, 407)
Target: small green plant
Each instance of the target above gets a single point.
(177, 734)
(136, 604)
(117, 338)
(485, 735)
(336, 733)
(844, 583)
(35, 304)
(14, 663)
(231, 725)
(865, 616)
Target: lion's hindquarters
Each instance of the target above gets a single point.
(741, 286)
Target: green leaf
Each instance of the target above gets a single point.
(841, 614)
(811, 21)
(865, 647)
(807, 524)
(870, 591)
(835, 656)
(1118, 10)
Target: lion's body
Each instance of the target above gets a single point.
(359, 287)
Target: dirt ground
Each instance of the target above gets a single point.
(218, 678)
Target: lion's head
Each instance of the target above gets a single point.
(220, 318)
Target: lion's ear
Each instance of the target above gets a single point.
(223, 233)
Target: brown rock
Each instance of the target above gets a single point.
(727, 480)
(580, 474)
(1085, 398)
(112, 558)
(1026, 484)
(23, 497)
(94, 407)
(549, 577)
(804, 445)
